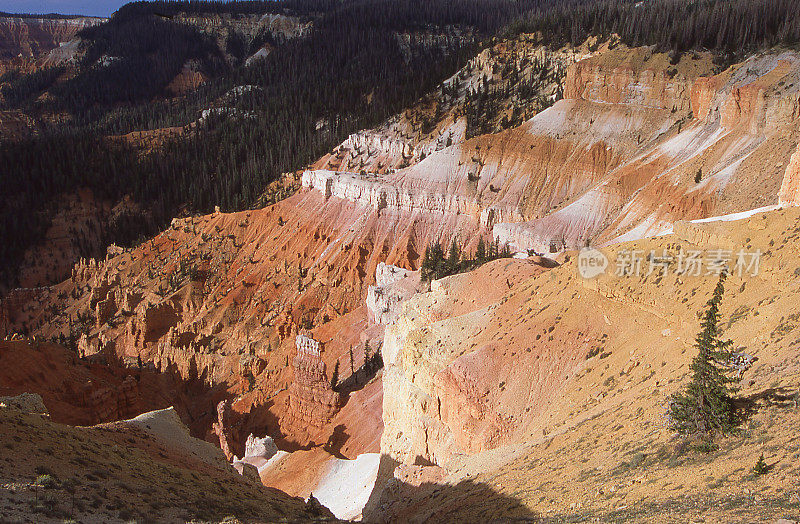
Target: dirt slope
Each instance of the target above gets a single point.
(118, 473)
(606, 353)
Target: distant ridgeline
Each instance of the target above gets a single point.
(48, 16)
(264, 117)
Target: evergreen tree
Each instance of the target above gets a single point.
(377, 360)
(705, 407)
(453, 259)
(299, 278)
(335, 375)
(480, 252)
(761, 466)
(437, 261)
(352, 362)
(426, 269)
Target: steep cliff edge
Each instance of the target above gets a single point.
(595, 360)
(789, 194)
(443, 360)
(696, 146)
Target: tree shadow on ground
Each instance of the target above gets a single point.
(779, 397)
(336, 441)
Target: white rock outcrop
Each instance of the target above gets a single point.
(392, 286)
(379, 192)
(260, 447)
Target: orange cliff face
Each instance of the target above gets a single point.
(634, 77)
(217, 301)
(83, 391)
(685, 144)
(636, 144)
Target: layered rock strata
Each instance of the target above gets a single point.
(312, 400)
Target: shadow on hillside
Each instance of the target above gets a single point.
(336, 441)
(359, 379)
(104, 388)
(779, 397)
(468, 501)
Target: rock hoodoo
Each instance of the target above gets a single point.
(312, 400)
(225, 428)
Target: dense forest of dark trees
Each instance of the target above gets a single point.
(306, 96)
(731, 28)
(131, 60)
(436, 264)
(17, 88)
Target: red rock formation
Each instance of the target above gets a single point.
(116, 403)
(285, 324)
(105, 310)
(226, 428)
(156, 321)
(624, 76)
(78, 391)
(187, 80)
(312, 401)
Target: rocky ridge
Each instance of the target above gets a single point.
(595, 166)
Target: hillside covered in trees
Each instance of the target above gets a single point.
(250, 121)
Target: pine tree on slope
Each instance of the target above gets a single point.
(705, 408)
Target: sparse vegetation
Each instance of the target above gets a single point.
(335, 376)
(761, 467)
(46, 481)
(705, 408)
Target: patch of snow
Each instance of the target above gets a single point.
(648, 228)
(347, 485)
(736, 216)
